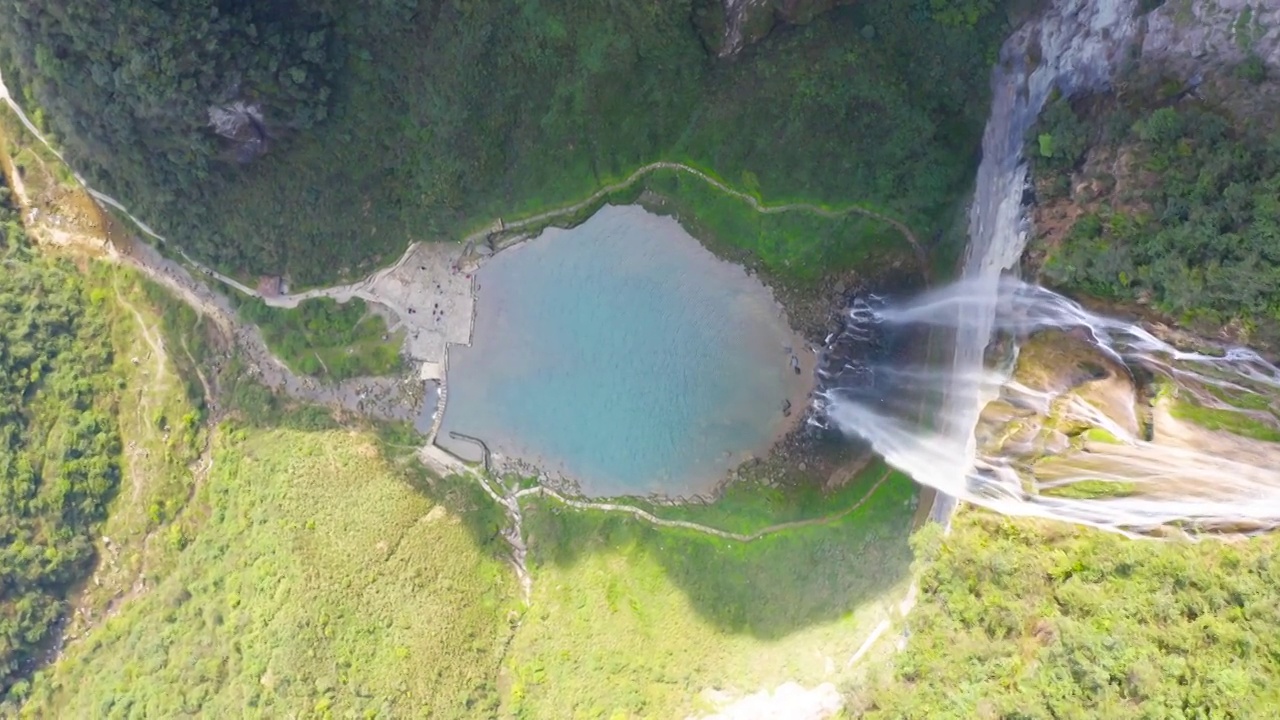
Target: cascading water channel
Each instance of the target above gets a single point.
(1110, 382)
(923, 413)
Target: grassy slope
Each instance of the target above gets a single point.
(748, 506)
(327, 339)
(1027, 619)
(321, 337)
(158, 400)
(161, 423)
(795, 246)
(321, 581)
(631, 621)
(1230, 421)
(744, 630)
(291, 588)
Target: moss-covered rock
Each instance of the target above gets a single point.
(1066, 399)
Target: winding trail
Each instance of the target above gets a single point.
(514, 534)
(751, 200)
(156, 380)
(549, 216)
(361, 287)
(154, 341)
(699, 527)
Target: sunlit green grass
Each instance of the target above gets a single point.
(1026, 618)
(327, 339)
(321, 584)
(633, 621)
(1243, 400)
(1100, 435)
(1091, 489)
(749, 506)
(1230, 421)
(162, 425)
(796, 246)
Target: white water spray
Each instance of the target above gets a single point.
(1077, 45)
(1145, 469)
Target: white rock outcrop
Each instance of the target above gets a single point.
(789, 701)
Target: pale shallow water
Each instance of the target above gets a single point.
(625, 356)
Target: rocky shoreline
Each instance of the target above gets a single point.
(794, 412)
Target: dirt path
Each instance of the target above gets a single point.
(388, 287)
(211, 397)
(156, 343)
(350, 289)
(514, 534)
(699, 527)
(157, 379)
(15, 181)
(427, 274)
(341, 291)
(383, 398)
(88, 610)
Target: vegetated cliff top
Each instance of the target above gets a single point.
(415, 120)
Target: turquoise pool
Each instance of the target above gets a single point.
(625, 356)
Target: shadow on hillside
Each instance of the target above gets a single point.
(768, 588)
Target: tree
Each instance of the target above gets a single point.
(150, 98)
(59, 444)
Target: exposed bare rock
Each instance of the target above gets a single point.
(1228, 49)
(747, 21)
(242, 124)
(1199, 35)
(1063, 386)
(790, 701)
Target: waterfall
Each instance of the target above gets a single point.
(1140, 472)
(1076, 47)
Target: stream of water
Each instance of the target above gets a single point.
(1075, 46)
(1143, 466)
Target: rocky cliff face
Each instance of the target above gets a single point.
(1221, 53)
(1230, 49)
(1202, 35)
(742, 22)
(1077, 423)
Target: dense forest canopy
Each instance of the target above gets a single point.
(440, 115)
(59, 442)
(144, 82)
(1030, 619)
(1191, 224)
